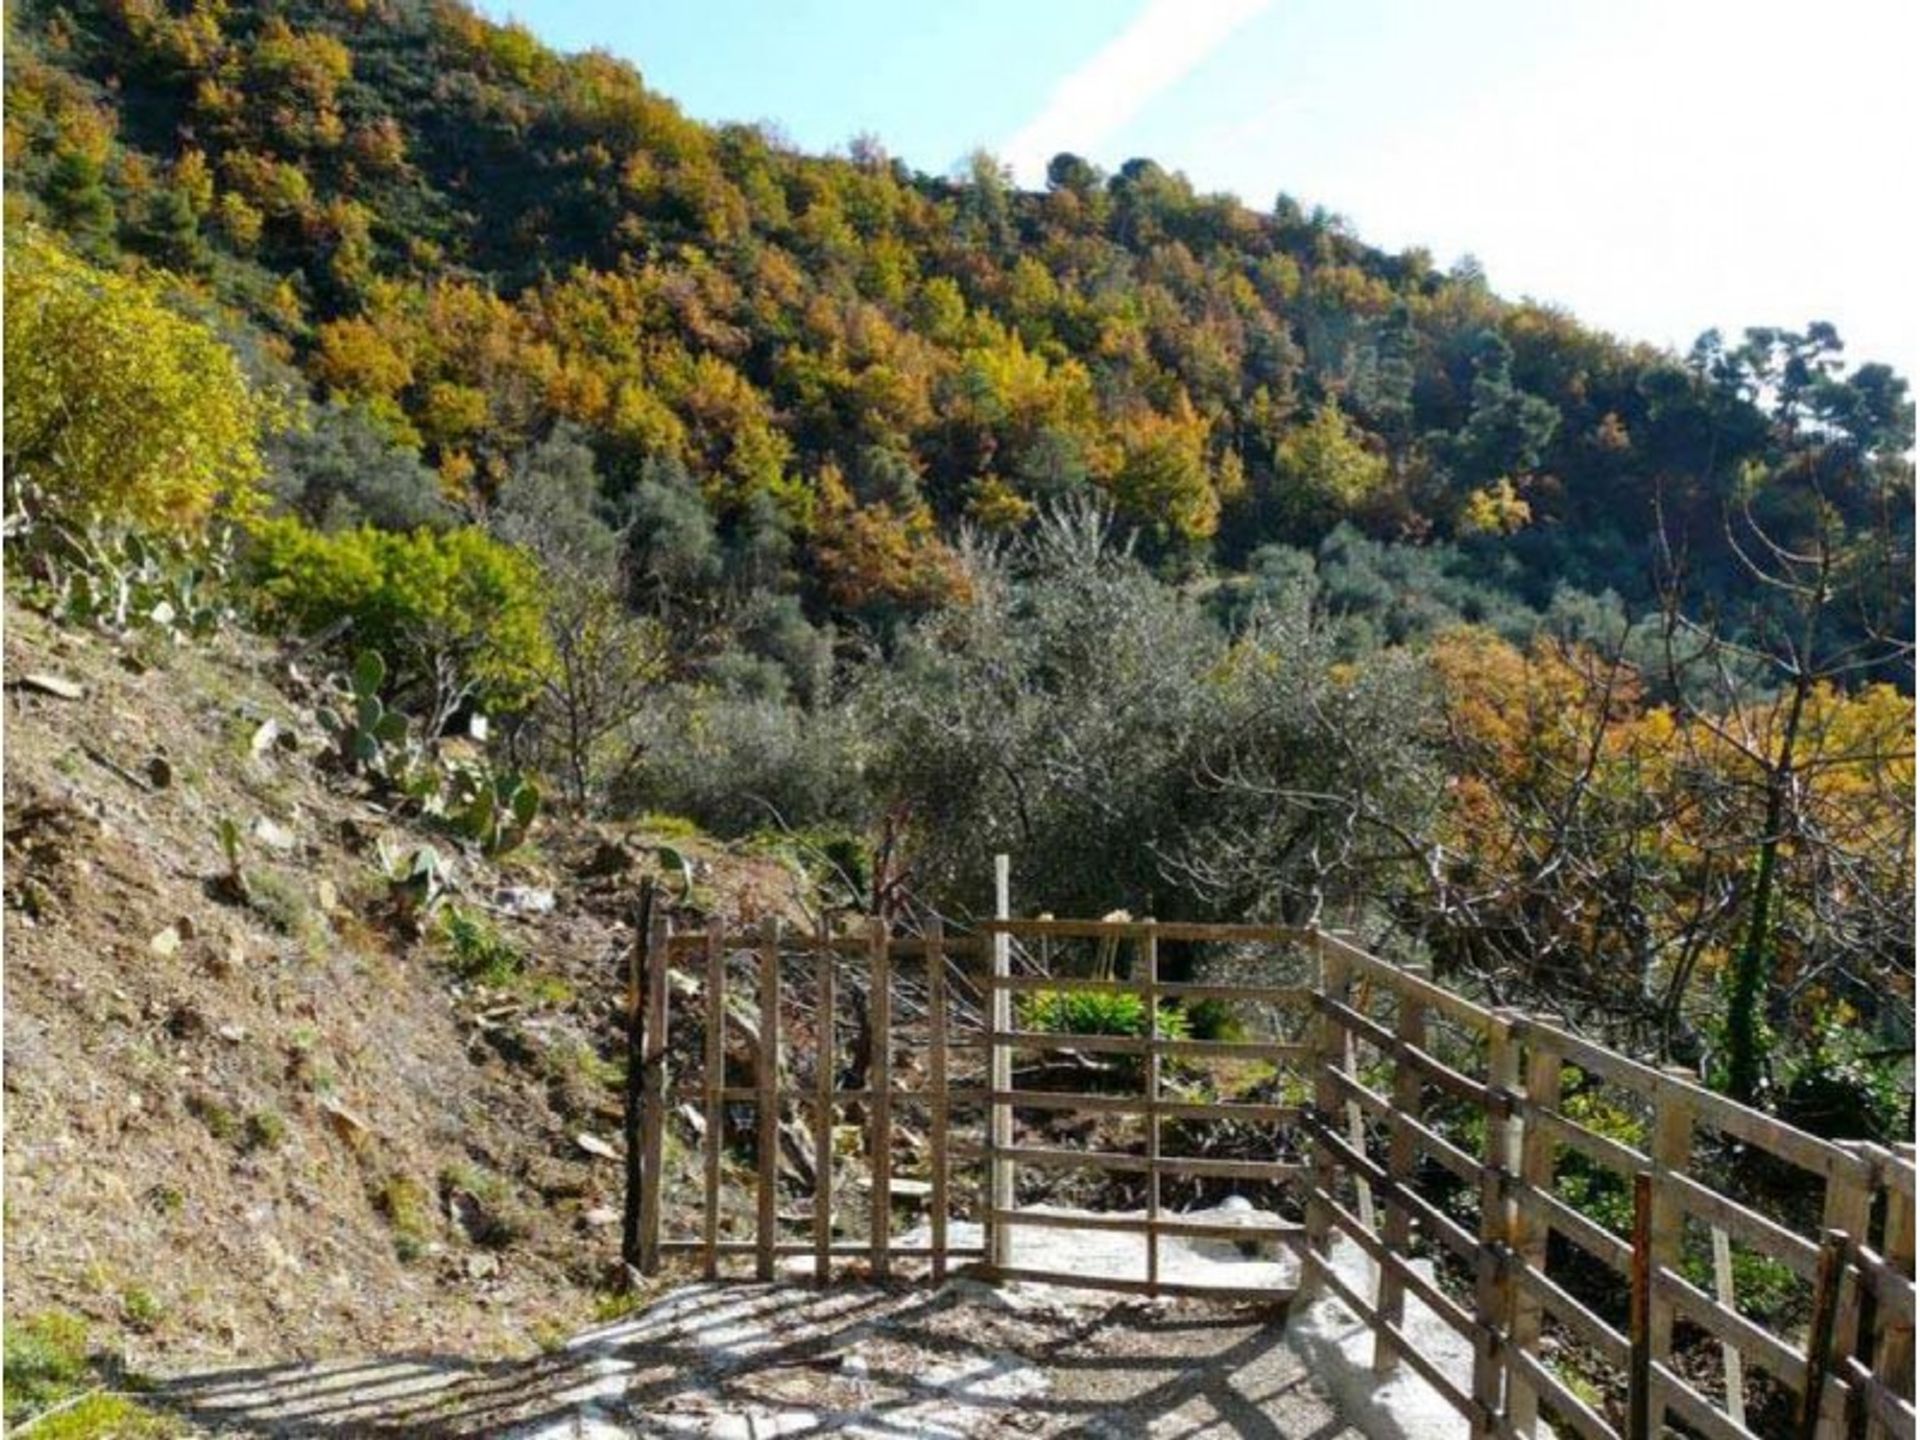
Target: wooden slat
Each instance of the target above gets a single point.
(1278, 1232)
(1732, 1364)
(767, 1146)
(1403, 1153)
(1041, 1157)
(1822, 1157)
(1033, 1040)
(1279, 995)
(1073, 1100)
(1727, 1325)
(1130, 929)
(1887, 1414)
(937, 1078)
(825, 964)
(1180, 1289)
(1623, 1160)
(999, 1073)
(1493, 1291)
(714, 1087)
(880, 1113)
(845, 1249)
(1150, 965)
(653, 1098)
(1751, 1228)
(1325, 1275)
(1530, 1234)
(1435, 997)
(1588, 1234)
(1403, 1272)
(1671, 1149)
(1429, 1140)
(1540, 1381)
(1436, 1223)
(1553, 1300)
(1893, 1344)
(1411, 1053)
(1698, 1411)
(1891, 1290)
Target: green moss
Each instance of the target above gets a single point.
(99, 1417)
(46, 1362)
(480, 952)
(265, 1130)
(408, 1209)
(220, 1121)
(141, 1307)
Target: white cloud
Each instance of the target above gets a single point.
(1162, 45)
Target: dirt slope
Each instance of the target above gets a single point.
(281, 1127)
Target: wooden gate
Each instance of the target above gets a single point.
(880, 1044)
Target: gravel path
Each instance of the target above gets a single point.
(739, 1362)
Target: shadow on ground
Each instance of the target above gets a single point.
(743, 1361)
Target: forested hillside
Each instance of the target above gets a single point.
(1206, 558)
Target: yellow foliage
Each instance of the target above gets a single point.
(119, 410)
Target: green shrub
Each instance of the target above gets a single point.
(1835, 1089)
(429, 602)
(1096, 1012)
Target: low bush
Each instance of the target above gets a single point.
(457, 615)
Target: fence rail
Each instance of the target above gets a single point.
(1517, 1180)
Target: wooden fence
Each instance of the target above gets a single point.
(1541, 1195)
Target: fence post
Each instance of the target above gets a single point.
(999, 1079)
(716, 1079)
(1849, 1208)
(937, 1079)
(1327, 1051)
(1893, 1344)
(1537, 1149)
(1671, 1149)
(1493, 1285)
(1410, 1028)
(1150, 956)
(1828, 1282)
(1640, 1314)
(880, 1111)
(652, 1092)
(823, 1086)
(767, 1230)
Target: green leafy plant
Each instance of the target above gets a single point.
(493, 808)
(1839, 1087)
(1097, 1012)
(418, 881)
(369, 738)
(123, 581)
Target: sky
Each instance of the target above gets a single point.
(1656, 166)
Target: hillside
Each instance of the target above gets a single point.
(802, 373)
(284, 1126)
